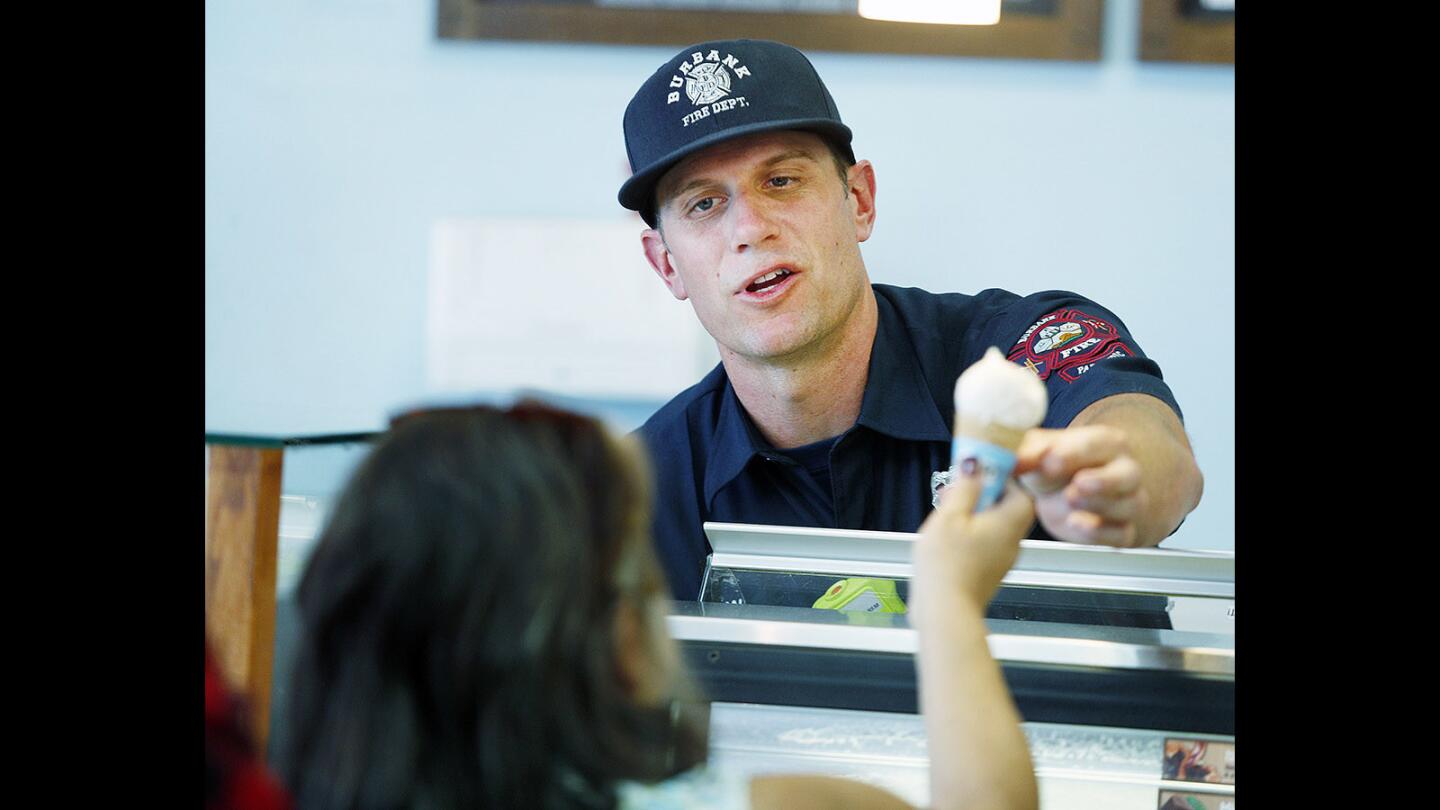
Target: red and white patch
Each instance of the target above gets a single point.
(1067, 341)
(1072, 374)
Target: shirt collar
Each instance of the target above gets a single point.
(896, 402)
(736, 441)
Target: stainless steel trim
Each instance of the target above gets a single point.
(1202, 615)
(792, 634)
(812, 565)
(1036, 579)
(1112, 655)
(810, 542)
(1217, 788)
(1198, 657)
(1180, 572)
(1119, 584)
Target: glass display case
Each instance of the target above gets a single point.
(1118, 658)
(1076, 766)
(785, 566)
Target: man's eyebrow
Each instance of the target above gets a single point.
(788, 154)
(797, 152)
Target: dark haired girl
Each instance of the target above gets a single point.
(483, 627)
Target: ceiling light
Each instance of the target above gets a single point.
(946, 12)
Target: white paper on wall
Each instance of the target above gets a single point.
(569, 306)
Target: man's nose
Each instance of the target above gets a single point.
(751, 221)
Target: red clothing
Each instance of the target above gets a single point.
(236, 778)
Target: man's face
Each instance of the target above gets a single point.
(762, 238)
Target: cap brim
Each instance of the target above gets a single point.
(637, 192)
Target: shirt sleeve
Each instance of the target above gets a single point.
(1081, 350)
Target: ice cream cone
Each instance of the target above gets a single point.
(996, 401)
(989, 432)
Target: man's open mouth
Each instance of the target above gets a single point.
(768, 280)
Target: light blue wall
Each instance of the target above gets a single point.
(337, 132)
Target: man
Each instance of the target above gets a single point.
(832, 404)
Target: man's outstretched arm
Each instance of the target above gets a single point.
(1121, 474)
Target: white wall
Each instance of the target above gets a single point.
(337, 133)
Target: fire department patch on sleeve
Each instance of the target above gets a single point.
(1068, 342)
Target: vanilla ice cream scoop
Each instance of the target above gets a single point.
(996, 391)
(996, 401)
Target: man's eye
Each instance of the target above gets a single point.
(781, 182)
(703, 205)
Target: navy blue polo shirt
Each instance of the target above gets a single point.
(712, 464)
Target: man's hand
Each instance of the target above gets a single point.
(1122, 474)
(1087, 486)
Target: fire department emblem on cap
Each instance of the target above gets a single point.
(706, 83)
(707, 94)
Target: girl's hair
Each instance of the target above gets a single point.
(458, 622)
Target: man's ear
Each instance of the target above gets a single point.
(861, 178)
(659, 257)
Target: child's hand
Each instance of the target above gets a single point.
(971, 551)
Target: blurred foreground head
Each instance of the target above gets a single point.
(483, 623)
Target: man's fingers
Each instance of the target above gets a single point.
(1049, 456)
(1078, 448)
(1111, 491)
(1112, 510)
(1033, 446)
(1091, 529)
(1116, 478)
(1040, 485)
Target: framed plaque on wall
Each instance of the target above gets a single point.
(1027, 29)
(1187, 31)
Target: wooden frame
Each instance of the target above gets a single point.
(1176, 31)
(1062, 29)
(242, 527)
(242, 539)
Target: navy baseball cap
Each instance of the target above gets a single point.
(712, 92)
